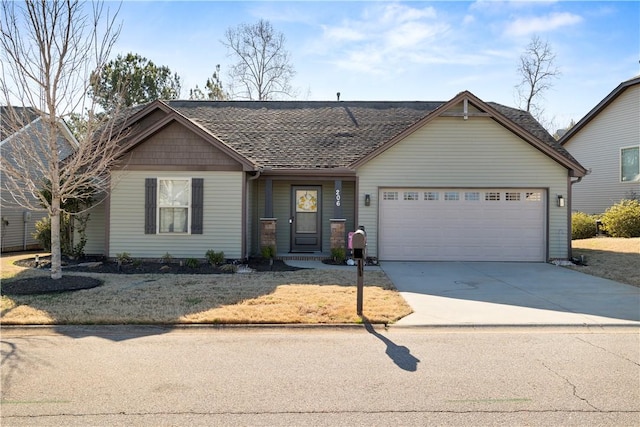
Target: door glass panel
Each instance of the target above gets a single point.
(306, 222)
(307, 201)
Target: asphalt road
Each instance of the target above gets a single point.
(139, 376)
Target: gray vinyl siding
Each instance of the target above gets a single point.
(222, 222)
(597, 147)
(476, 153)
(15, 236)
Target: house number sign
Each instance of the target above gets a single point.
(338, 197)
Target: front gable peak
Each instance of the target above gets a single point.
(466, 105)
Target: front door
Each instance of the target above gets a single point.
(306, 218)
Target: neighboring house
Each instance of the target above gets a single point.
(607, 142)
(18, 223)
(462, 180)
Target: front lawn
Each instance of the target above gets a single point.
(612, 258)
(304, 296)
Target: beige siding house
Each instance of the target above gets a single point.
(459, 180)
(607, 143)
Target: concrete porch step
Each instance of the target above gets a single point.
(300, 256)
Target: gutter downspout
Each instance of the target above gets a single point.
(570, 252)
(258, 172)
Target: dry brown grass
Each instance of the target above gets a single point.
(612, 258)
(304, 296)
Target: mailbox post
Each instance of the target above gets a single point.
(359, 245)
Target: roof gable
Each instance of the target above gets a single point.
(145, 130)
(613, 95)
(521, 123)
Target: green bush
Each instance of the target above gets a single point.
(622, 219)
(338, 255)
(123, 257)
(583, 226)
(191, 262)
(214, 258)
(268, 252)
(43, 233)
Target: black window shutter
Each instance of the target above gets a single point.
(197, 202)
(150, 194)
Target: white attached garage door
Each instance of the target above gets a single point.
(462, 224)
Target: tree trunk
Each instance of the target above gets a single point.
(56, 258)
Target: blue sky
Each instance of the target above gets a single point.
(405, 50)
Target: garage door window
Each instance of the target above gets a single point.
(472, 196)
(390, 195)
(431, 195)
(451, 195)
(411, 195)
(492, 197)
(512, 197)
(534, 197)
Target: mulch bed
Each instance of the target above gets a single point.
(70, 282)
(45, 285)
(102, 265)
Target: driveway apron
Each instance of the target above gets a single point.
(499, 293)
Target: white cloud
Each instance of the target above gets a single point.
(541, 24)
(344, 33)
(383, 37)
(397, 13)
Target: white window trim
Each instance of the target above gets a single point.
(620, 164)
(158, 206)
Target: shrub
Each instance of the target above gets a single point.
(214, 258)
(43, 233)
(191, 262)
(268, 252)
(167, 258)
(622, 219)
(123, 257)
(583, 226)
(338, 255)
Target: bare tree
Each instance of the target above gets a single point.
(538, 70)
(50, 50)
(263, 69)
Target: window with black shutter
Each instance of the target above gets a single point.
(174, 205)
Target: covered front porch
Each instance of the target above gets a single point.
(301, 217)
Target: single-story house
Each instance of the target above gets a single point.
(458, 180)
(607, 142)
(21, 127)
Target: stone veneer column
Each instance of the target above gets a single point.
(338, 233)
(268, 232)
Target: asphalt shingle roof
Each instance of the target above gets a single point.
(12, 119)
(321, 134)
(304, 135)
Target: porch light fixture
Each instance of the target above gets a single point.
(367, 199)
(560, 201)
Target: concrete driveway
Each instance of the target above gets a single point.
(496, 293)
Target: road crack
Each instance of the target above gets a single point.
(573, 387)
(608, 351)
